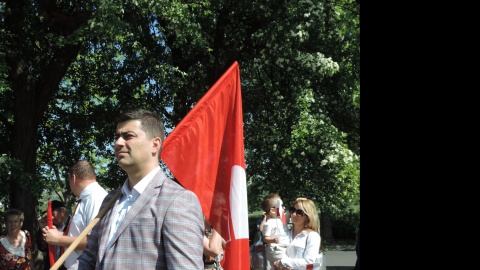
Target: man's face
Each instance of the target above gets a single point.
(59, 216)
(132, 147)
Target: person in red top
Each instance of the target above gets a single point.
(16, 245)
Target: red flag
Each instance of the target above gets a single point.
(51, 248)
(313, 266)
(280, 212)
(205, 153)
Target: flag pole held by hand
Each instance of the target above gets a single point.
(84, 233)
(51, 248)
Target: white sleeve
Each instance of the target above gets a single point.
(267, 228)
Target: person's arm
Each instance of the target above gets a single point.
(260, 227)
(56, 238)
(268, 239)
(279, 266)
(271, 239)
(213, 243)
(183, 231)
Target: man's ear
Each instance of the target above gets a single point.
(156, 145)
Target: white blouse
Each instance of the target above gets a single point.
(20, 250)
(303, 250)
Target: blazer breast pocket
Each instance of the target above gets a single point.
(145, 228)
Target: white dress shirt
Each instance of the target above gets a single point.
(126, 201)
(91, 199)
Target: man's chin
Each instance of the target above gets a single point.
(123, 163)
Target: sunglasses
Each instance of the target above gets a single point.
(298, 212)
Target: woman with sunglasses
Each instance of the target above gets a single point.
(304, 237)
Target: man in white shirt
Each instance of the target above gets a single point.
(83, 184)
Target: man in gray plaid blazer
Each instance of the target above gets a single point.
(155, 223)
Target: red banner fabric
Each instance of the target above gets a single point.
(51, 248)
(205, 153)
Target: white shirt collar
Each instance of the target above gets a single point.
(140, 186)
(88, 190)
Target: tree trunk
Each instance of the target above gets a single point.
(24, 149)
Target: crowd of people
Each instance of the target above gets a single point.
(151, 221)
(150, 213)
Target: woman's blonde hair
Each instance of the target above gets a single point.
(313, 221)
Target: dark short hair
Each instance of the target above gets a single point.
(151, 123)
(57, 204)
(13, 212)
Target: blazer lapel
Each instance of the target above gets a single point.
(152, 189)
(107, 226)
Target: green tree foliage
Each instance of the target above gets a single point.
(69, 67)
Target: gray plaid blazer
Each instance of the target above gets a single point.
(163, 230)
